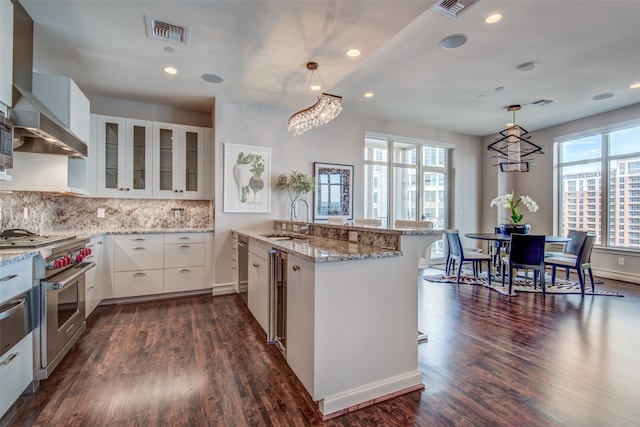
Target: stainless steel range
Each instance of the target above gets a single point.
(62, 292)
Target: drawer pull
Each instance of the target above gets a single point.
(9, 277)
(185, 238)
(139, 239)
(185, 246)
(296, 267)
(9, 359)
(256, 265)
(139, 248)
(185, 270)
(139, 274)
(14, 307)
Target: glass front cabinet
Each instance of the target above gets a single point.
(178, 161)
(124, 157)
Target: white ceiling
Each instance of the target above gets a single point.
(581, 48)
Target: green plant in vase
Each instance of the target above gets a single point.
(515, 224)
(296, 184)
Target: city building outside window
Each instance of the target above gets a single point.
(586, 167)
(405, 180)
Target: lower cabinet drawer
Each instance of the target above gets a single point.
(137, 283)
(16, 372)
(139, 257)
(185, 255)
(15, 278)
(184, 279)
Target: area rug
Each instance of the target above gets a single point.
(521, 283)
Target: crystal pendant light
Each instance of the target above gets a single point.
(327, 108)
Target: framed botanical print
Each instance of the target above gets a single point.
(246, 186)
(333, 195)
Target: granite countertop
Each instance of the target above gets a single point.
(8, 256)
(369, 228)
(320, 249)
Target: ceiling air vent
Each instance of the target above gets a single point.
(453, 8)
(161, 30)
(541, 102)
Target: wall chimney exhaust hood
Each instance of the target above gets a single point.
(38, 130)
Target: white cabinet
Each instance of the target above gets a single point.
(16, 364)
(6, 51)
(184, 262)
(124, 157)
(94, 280)
(300, 319)
(16, 372)
(178, 161)
(138, 265)
(151, 264)
(63, 97)
(258, 282)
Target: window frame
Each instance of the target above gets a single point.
(610, 198)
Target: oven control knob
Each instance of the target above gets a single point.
(79, 258)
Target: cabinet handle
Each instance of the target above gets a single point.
(256, 265)
(139, 248)
(295, 267)
(121, 189)
(185, 246)
(139, 239)
(9, 277)
(9, 359)
(16, 305)
(185, 238)
(139, 274)
(185, 270)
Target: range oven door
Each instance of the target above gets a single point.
(63, 314)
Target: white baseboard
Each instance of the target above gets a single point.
(370, 394)
(223, 289)
(616, 275)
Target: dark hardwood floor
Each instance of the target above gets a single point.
(490, 360)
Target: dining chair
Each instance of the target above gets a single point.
(458, 254)
(581, 263)
(367, 222)
(526, 251)
(570, 248)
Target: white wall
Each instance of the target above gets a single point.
(341, 141)
(538, 184)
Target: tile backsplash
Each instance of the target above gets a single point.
(49, 213)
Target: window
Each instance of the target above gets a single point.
(411, 182)
(602, 169)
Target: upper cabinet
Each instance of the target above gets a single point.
(178, 161)
(124, 150)
(6, 51)
(137, 158)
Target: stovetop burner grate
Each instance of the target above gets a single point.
(23, 239)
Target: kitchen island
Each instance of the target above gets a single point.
(351, 310)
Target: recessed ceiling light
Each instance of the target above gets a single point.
(353, 52)
(315, 87)
(368, 94)
(212, 78)
(170, 70)
(169, 49)
(635, 86)
(493, 18)
(453, 41)
(602, 96)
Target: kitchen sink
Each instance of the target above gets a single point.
(284, 237)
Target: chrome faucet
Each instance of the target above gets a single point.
(308, 226)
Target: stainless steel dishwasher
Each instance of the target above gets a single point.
(277, 313)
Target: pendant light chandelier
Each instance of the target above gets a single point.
(514, 148)
(323, 111)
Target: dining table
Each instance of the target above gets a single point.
(497, 241)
